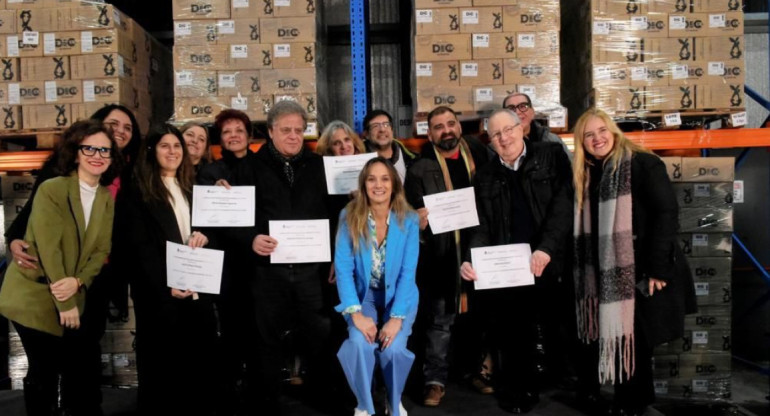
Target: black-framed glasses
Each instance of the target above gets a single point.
(104, 152)
(521, 107)
(377, 126)
(507, 131)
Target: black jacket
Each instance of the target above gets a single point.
(546, 179)
(223, 168)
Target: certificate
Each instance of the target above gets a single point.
(453, 210)
(342, 172)
(305, 241)
(502, 266)
(217, 206)
(199, 269)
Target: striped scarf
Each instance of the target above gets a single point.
(605, 302)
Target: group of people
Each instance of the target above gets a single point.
(610, 282)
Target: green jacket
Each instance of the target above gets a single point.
(57, 235)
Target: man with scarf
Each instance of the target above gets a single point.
(447, 162)
(289, 184)
(523, 196)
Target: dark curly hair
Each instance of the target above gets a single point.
(131, 151)
(70, 146)
(148, 171)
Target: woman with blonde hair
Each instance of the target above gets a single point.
(375, 261)
(196, 138)
(632, 283)
(339, 139)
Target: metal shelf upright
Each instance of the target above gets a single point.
(359, 60)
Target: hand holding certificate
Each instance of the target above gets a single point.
(217, 206)
(453, 210)
(301, 241)
(342, 172)
(502, 266)
(198, 270)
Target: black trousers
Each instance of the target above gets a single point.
(288, 307)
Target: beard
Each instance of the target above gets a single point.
(448, 144)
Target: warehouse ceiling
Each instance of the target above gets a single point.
(154, 16)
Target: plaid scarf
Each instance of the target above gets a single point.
(605, 302)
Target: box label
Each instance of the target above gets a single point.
(86, 42)
(738, 192)
(30, 38)
(480, 40)
(639, 23)
(424, 70)
(239, 51)
(716, 68)
(312, 129)
(14, 94)
(601, 28)
(49, 43)
(182, 29)
(672, 119)
(226, 27)
(679, 72)
(602, 73)
(557, 119)
(470, 17)
(88, 91)
(469, 69)
(700, 386)
(527, 89)
(700, 337)
(184, 78)
(738, 119)
(702, 190)
(526, 40)
(226, 80)
(424, 16)
(701, 289)
(282, 3)
(700, 240)
(50, 91)
(484, 95)
(677, 22)
(240, 4)
(13, 45)
(661, 387)
(282, 50)
(421, 127)
(239, 103)
(717, 20)
(638, 74)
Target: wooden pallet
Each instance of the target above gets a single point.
(44, 138)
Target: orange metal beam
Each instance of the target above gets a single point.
(697, 139)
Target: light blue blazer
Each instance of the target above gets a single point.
(354, 269)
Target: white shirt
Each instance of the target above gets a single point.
(180, 205)
(516, 163)
(87, 196)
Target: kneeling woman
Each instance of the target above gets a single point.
(375, 263)
(69, 231)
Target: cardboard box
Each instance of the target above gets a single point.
(195, 32)
(443, 47)
(61, 43)
(689, 73)
(542, 94)
(704, 194)
(709, 317)
(17, 186)
(38, 20)
(238, 31)
(309, 102)
(694, 389)
(706, 244)
(711, 269)
(493, 45)
(673, 167)
(110, 41)
(620, 99)
(481, 72)
(481, 20)
(248, 57)
(531, 71)
(537, 44)
(651, 75)
(724, 72)
(13, 46)
(201, 9)
(7, 22)
(713, 293)
(612, 29)
(725, 24)
(247, 9)
(724, 48)
(433, 74)
(628, 51)
(232, 83)
(22, 93)
(605, 75)
(84, 111)
(726, 95)
(671, 6)
(436, 21)
(688, 24)
(24, 4)
(46, 116)
(288, 82)
(708, 169)
(295, 8)
(705, 220)
(9, 69)
(705, 366)
(207, 58)
(194, 83)
(619, 7)
(668, 50)
(93, 16)
(288, 29)
(665, 366)
(11, 117)
(294, 55)
(64, 91)
(530, 18)
(457, 98)
(717, 6)
(110, 90)
(12, 208)
(489, 98)
(259, 106)
(701, 341)
(47, 68)
(204, 108)
(680, 98)
(103, 65)
(434, 4)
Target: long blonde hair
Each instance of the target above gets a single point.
(357, 214)
(324, 147)
(622, 145)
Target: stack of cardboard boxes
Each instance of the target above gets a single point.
(61, 60)
(470, 54)
(245, 54)
(667, 55)
(698, 365)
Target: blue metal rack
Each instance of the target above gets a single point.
(359, 54)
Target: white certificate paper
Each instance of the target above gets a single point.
(502, 266)
(199, 270)
(453, 210)
(305, 241)
(342, 172)
(217, 206)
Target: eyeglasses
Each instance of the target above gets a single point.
(377, 126)
(522, 107)
(507, 130)
(104, 152)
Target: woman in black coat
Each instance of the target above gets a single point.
(176, 330)
(633, 286)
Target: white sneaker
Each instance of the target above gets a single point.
(359, 412)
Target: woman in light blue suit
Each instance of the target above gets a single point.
(375, 263)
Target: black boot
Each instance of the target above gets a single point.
(40, 397)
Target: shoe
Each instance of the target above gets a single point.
(482, 383)
(433, 395)
(359, 412)
(594, 404)
(389, 411)
(521, 402)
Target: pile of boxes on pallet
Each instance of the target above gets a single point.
(698, 365)
(246, 54)
(649, 55)
(64, 59)
(470, 54)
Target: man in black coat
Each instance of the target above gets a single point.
(289, 184)
(524, 196)
(447, 163)
(379, 137)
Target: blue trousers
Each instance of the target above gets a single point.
(358, 357)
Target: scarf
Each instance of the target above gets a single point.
(605, 301)
(465, 153)
(286, 162)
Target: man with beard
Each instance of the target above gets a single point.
(521, 105)
(378, 137)
(447, 162)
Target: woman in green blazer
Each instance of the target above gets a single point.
(69, 231)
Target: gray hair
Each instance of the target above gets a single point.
(506, 111)
(284, 108)
(517, 94)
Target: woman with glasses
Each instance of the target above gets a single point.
(69, 231)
